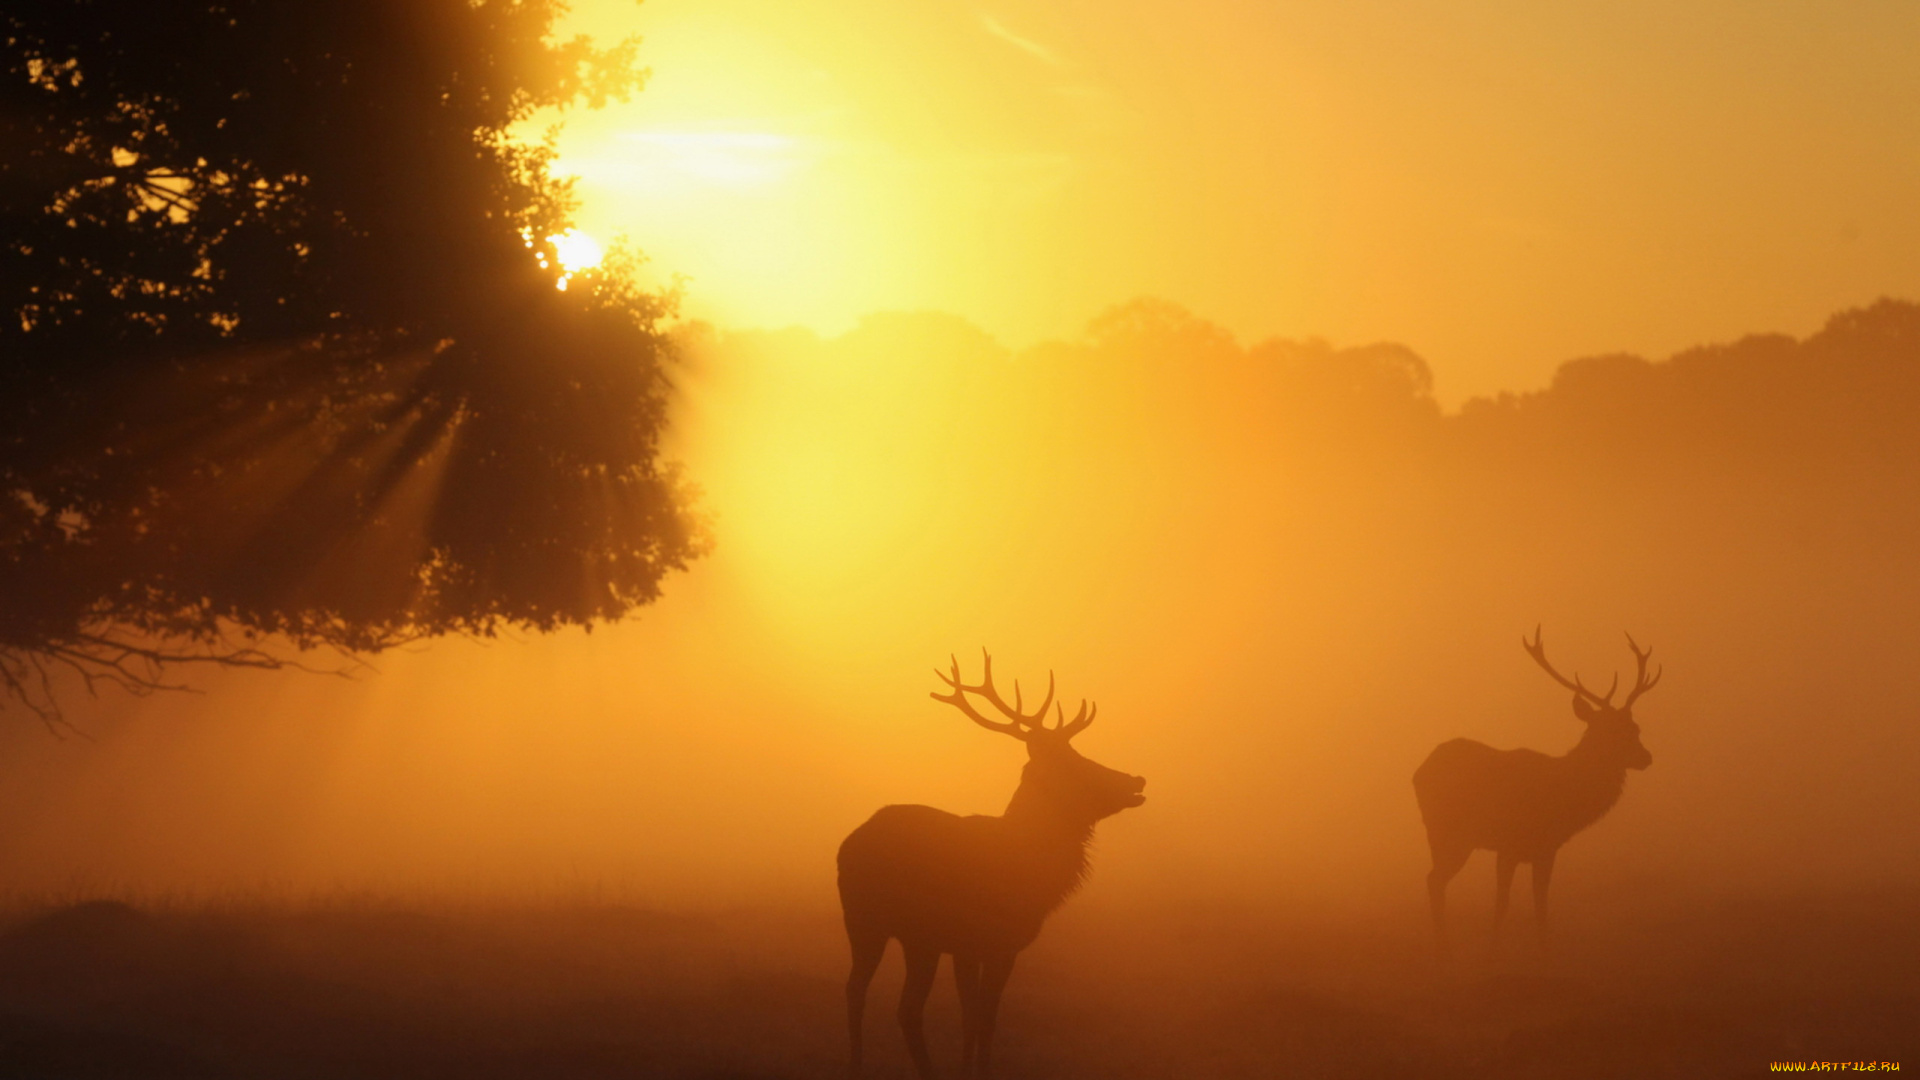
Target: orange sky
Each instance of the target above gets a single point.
(1499, 184)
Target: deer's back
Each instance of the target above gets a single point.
(1473, 795)
(956, 883)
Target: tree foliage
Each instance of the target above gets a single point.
(288, 350)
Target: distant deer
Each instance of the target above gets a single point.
(1523, 804)
(977, 887)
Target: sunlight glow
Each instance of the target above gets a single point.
(730, 158)
(782, 219)
(577, 251)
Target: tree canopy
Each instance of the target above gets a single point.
(288, 351)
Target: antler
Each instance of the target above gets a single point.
(1539, 653)
(1019, 724)
(1081, 720)
(1641, 684)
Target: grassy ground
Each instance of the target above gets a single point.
(105, 990)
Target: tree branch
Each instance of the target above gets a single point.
(111, 656)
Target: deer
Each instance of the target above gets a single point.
(1522, 804)
(977, 887)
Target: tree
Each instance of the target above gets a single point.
(288, 352)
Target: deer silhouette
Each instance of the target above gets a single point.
(975, 887)
(1522, 804)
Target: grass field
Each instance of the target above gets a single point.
(364, 990)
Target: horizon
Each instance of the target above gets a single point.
(697, 327)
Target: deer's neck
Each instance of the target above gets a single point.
(1054, 838)
(1593, 782)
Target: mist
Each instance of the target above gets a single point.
(504, 504)
(1280, 569)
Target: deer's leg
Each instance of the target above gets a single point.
(1542, 876)
(994, 971)
(868, 947)
(966, 979)
(923, 962)
(1505, 862)
(1447, 862)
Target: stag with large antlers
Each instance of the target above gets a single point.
(975, 887)
(1522, 804)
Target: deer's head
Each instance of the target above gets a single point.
(1072, 783)
(1611, 730)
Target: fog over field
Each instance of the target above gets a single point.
(1282, 572)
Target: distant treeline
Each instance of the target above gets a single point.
(1846, 398)
(1852, 390)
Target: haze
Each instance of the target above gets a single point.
(1280, 570)
(1264, 372)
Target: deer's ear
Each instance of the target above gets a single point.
(1583, 710)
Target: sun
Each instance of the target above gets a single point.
(577, 250)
